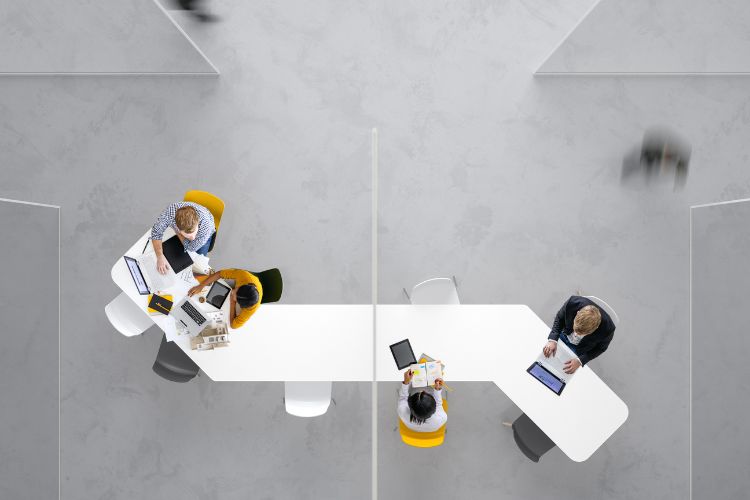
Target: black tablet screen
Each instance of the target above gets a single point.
(403, 354)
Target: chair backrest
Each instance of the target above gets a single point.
(272, 284)
(307, 399)
(607, 308)
(423, 439)
(530, 439)
(127, 317)
(173, 364)
(435, 291)
(214, 204)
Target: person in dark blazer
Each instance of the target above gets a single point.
(584, 327)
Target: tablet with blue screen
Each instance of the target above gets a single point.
(546, 377)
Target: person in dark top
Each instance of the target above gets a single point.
(584, 327)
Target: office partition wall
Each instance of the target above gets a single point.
(29, 325)
(720, 370)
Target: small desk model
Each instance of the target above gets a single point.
(280, 342)
(498, 343)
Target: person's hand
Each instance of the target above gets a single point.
(438, 384)
(161, 264)
(408, 374)
(571, 365)
(195, 289)
(550, 349)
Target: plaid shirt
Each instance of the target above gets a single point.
(206, 226)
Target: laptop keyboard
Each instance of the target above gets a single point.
(193, 313)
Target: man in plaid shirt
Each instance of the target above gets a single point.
(193, 224)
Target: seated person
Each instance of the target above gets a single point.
(192, 223)
(584, 327)
(422, 411)
(246, 294)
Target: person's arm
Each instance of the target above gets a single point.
(232, 307)
(595, 351)
(166, 218)
(437, 394)
(162, 265)
(402, 405)
(559, 323)
(439, 417)
(208, 281)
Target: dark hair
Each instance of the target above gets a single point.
(247, 295)
(422, 406)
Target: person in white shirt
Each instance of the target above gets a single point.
(423, 410)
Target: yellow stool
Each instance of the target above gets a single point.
(423, 439)
(214, 204)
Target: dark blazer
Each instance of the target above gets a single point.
(593, 344)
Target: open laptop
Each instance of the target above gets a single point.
(556, 363)
(188, 313)
(145, 276)
(551, 371)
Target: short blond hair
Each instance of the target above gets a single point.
(186, 219)
(587, 320)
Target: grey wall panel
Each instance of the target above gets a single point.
(668, 36)
(721, 392)
(29, 351)
(105, 36)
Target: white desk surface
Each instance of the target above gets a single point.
(498, 343)
(280, 342)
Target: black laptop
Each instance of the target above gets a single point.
(176, 255)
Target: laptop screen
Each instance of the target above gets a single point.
(135, 272)
(546, 377)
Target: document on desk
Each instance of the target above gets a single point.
(170, 329)
(424, 374)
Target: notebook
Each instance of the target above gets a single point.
(159, 304)
(424, 374)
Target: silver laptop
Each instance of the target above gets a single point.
(188, 314)
(556, 363)
(154, 279)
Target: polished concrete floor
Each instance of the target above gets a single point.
(509, 182)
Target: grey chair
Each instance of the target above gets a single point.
(530, 439)
(173, 364)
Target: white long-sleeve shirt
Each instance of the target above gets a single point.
(431, 424)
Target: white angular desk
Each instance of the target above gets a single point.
(498, 343)
(280, 342)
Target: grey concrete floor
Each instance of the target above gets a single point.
(511, 183)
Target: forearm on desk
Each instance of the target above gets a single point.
(157, 247)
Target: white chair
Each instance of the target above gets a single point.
(606, 307)
(307, 399)
(436, 291)
(127, 317)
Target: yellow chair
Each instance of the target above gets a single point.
(423, 439)
(214, 205)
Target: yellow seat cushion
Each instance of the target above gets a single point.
(423, 439)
